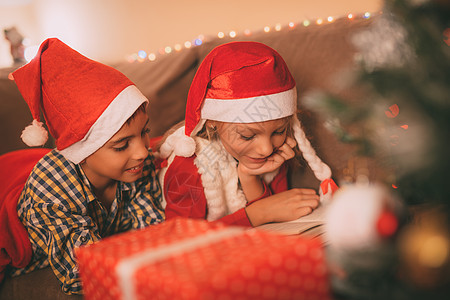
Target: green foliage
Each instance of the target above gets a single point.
(420, 87)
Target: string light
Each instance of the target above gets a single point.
(178, 47)
(142, 54)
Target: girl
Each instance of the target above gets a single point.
(229, 161)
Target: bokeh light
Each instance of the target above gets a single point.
(142, 54)
(30, 52)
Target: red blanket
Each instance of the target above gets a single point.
(15, 167)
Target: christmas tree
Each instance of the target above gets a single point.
(402, 121)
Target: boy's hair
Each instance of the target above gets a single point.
(142, 108)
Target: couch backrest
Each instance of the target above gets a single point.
(317, 55)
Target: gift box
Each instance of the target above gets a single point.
(195, 259)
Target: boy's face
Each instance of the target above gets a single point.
(252, 144)
(122, 157)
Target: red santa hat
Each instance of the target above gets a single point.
(243, 82)
(84, 102)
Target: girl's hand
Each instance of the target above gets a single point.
(273, 162)
(282, 207)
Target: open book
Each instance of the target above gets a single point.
(311, 225)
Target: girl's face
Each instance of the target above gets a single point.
(122, 157)
(253, 143)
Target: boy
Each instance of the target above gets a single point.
(100, 179)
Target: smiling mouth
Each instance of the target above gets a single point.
(136, 169)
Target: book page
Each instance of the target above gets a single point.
(318, 215)
(311, 225)
(288, 228)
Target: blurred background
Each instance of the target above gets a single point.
(401, 121)
(113, 30)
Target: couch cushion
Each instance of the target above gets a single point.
(37, 285)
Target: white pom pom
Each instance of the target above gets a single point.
(184, 146)
(35, 134)
(352, 215)
(178, 143)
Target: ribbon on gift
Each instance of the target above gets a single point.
(127, 267)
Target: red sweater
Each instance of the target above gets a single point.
(184, 193)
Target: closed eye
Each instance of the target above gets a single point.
(121, 148)
(280, 132)
(247, 138)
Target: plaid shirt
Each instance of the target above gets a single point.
(61, 212)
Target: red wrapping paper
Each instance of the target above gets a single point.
(195, 259)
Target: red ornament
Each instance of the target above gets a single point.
(387, 224)
(393, 111)
(446, 35)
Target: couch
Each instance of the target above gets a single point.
(317, 55)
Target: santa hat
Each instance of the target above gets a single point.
(243, 82)
(83, 101)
